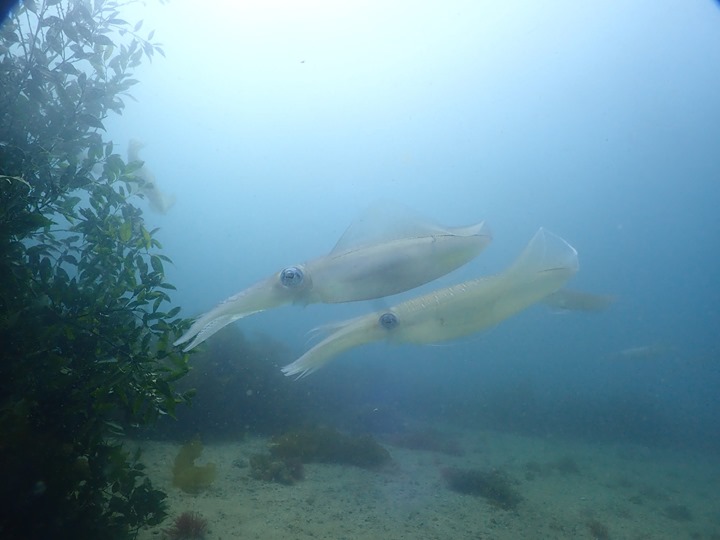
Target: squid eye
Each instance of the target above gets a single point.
(388, 321)
(291, 277)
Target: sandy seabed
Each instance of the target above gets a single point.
(570, 491)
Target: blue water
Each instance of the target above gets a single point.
(278, 124)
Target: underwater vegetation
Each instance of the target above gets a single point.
(189, 477)
(231, 373)
(271, 469)
(494, 485)
(187, 526)
(85, 323)
(327, 445)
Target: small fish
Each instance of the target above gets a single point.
(642, 352)
(572, 300)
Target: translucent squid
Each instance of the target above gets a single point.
(544, 266)
(160, 201)
(376, 257)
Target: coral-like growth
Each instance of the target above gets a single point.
(187, 526)
(326, 445)
(189, 477)
(284, 471)
(494, 485)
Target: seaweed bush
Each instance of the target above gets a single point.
(494, 485)
(189, 477)
(327, 445)
(231, 373)
(84, 332)
(281, 470)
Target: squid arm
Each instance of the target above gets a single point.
(545, 265)
(261, 296)
(352, 271)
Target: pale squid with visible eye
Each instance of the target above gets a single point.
(376, 257)
(545, 265)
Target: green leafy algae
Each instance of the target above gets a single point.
(189, 477)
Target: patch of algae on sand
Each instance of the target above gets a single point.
(189, 477)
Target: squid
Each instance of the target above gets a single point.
(377, 256)
(543, 267)
(159, 201)
(570, 300)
